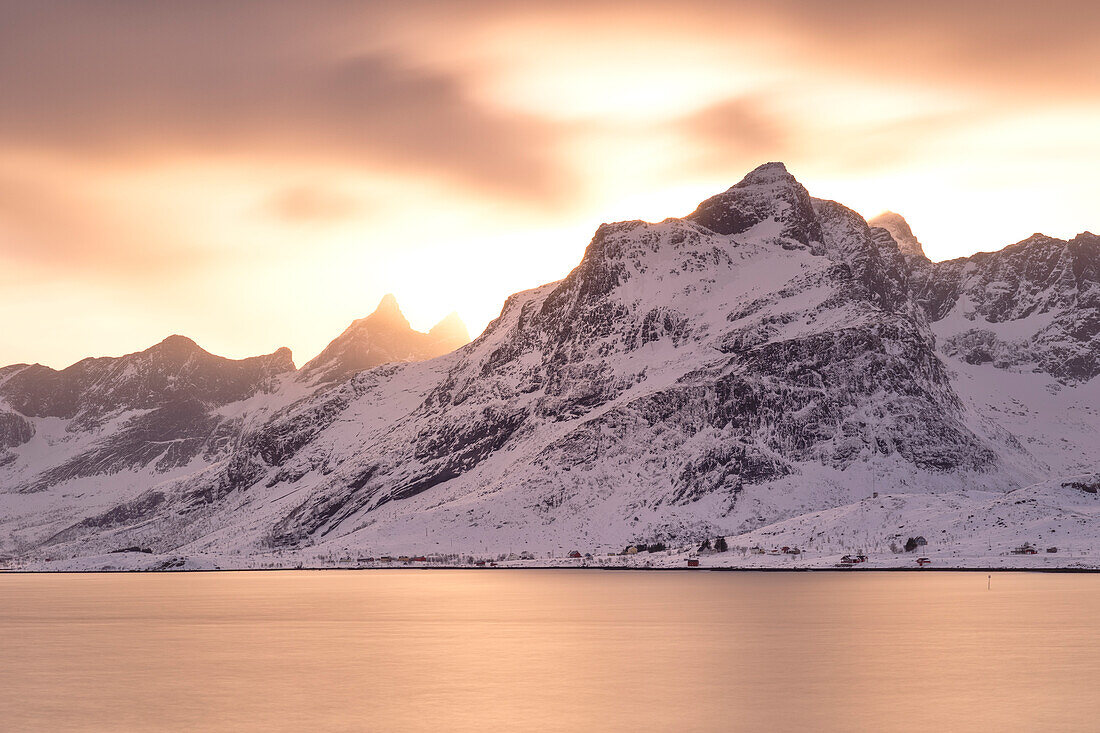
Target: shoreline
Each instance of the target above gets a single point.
(566, 568)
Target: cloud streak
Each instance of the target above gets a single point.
(204, 165)
(133, 82)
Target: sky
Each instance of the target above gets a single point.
(259, 174)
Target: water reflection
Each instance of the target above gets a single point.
(549, 650)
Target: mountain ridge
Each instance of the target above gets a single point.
(769, 356)
(382, 337)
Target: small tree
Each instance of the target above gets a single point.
(705, 545)
(720, 544)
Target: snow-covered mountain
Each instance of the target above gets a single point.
(767, 358)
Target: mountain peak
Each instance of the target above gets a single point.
(282, 358)
(767, 193)
(1088, 240)
(901, 232)
(450, 333)
(383, 337)
(176, 341)
(766, 174)
(388, 306)
(388, 303)
(176, 346)
(389, 314)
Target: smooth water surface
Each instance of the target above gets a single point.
(489, 650)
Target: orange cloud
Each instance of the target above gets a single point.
(210, 167)
(145, 82)
(312, 204)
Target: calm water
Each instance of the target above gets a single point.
(549, 650)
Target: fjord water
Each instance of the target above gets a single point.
(406, 650)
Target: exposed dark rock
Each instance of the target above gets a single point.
(1089, 485)
(14, 430)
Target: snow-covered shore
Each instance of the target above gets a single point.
(676, 561)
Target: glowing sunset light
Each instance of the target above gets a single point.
(260, 175)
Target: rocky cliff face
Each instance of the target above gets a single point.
(154, 408)
(769, 355)
(900, 232)
(1033, 304)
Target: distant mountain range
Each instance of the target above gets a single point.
(757, 369)
(382, 337)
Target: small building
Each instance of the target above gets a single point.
(1052, 549)
(575, 554)
(922, 561)
(632, 550)
(693, 562)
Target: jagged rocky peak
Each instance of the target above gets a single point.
(899, 229)
(767, 174)
(383, 337)
(1086, 249)
(284, 357)
(388, 314)
(768, 197)
(1048, 287)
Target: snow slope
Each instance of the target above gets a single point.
(756, 370)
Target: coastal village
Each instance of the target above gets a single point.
(707, 554)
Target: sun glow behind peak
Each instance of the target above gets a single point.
(158, 178)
